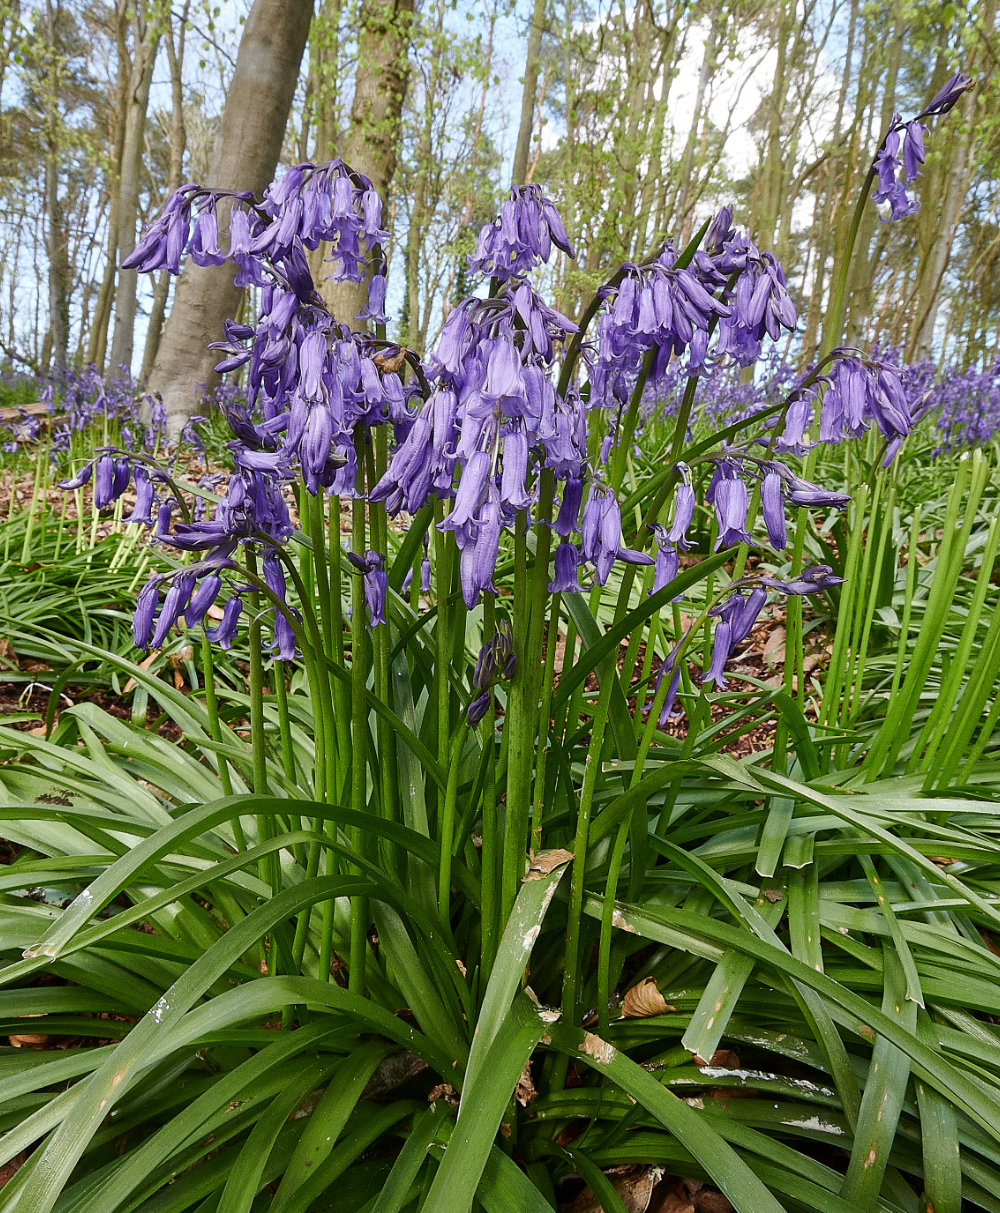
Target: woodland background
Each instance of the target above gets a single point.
(636, 118)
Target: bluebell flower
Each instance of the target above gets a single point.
(684, 505)
(568, 518)
(80, 479)
(477, 709)
(731, 503)
(521, 237)
(176, 599)
(949, 93)
(773, 507)
(145, 497)
(567, 562)
(371, 566)
(760, 305)
(284, 635)
(145, 611)
(667, 561)
(809, 581)
(225, 632)
(202, 598)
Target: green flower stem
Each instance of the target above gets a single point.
(215, 728)
(359, 724)
(257, 738)
(522, 723)
(489, 875)
(331, 557)
(267, 870)
(544, 723)
(607, 925)
(835, 315)
(284, 727)
(571, 976)
(446, 836)
(518, 730)
(442, 663)
(627, 429)
(388, 786)
(566, 711)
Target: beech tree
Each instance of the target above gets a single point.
(253, 130)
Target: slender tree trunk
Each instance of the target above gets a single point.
(956, 179)
(55, 228)
(253, 128)
(146, 43)
(708, 66)
(531, 66)
(866, 260)
(372, 138)
(97, 341)
(178, 144)
(419, 207)
(324, 72)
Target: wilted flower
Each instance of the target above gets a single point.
(372, 568)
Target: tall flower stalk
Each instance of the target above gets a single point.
(497, 476)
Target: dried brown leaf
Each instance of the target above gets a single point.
(645, 1000)
(525, 1091)
(545, 862)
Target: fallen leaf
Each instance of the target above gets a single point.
(547, 861)
(29, 1040)
(10, 1169)
(525, 1091)
(645, 1000)
(146, 662)
(723, 1059)
(388, 363)
(600, 1050)
(445, 1091)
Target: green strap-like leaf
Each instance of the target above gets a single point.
(727, 1170)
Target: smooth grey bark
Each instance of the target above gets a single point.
(97, 339)
(146, 43)
(253, 128)
(178, 143)
(372, 137)
(55, 226)
(532, 62)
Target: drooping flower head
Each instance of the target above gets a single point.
(520, 237)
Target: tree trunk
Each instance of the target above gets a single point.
(146, 43)
(531, 65)
(956, 181)
(55, 228)
(371, 140)
(97, 343)
(708, 66)
(178, 143)
(253, 128)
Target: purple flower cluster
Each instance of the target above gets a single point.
(477, 424)
(492, 419)
(308, 205)
(898, 160)
(310, 381)
(521, 236)
(966, 403)
(862, 390)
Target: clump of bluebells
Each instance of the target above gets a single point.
(966, 405)
(516, 419)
